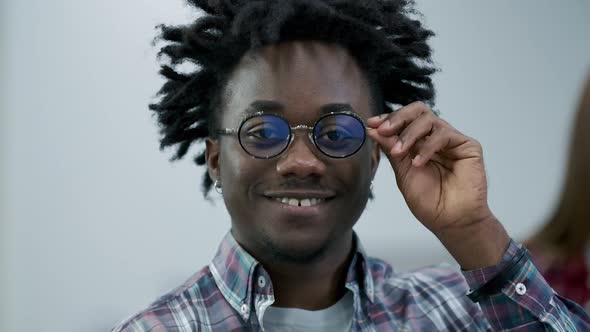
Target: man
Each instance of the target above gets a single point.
(294, 101)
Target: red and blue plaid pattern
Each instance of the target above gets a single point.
(232, 293)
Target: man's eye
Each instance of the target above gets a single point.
(334, 134)
(263, 133)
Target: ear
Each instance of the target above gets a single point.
(212, 158)
(375, 157)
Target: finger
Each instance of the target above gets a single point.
(386, 143)
(447, 143)
(376, 121)
(415, 131)
(398, 120)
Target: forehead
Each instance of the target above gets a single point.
(302, 76)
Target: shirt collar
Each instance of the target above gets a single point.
(235, 272)
(360, 269)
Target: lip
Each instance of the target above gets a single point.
(299, 211)
(299, 194)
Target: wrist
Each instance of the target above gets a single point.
(476, 244)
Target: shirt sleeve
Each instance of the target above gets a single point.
(526, 302)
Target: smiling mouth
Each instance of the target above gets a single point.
(299, 202)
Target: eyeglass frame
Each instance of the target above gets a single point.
(309, 129)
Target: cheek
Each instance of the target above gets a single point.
(239, 171)
(352, 173)
(360, 170)
(231, 166)
(363, 160)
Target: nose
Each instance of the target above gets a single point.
(300, 160)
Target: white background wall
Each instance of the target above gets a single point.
(95, 222)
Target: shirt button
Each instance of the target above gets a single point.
(261, 282)
(245, 309)
(520, 288)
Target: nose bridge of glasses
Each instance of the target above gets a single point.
(302, 127)
(310, 145)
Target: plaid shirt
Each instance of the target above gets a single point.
(233, 292)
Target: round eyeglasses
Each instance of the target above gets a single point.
(265, 135)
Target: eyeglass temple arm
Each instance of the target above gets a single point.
(227, 131)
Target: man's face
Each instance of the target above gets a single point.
(297, 80)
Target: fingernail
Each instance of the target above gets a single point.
(378, 117)
(398, 146)
(416, 160)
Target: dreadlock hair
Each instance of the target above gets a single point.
(382, 35)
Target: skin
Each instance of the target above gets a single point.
(307, 251)
(440, 172)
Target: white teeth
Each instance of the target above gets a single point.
(299, 202)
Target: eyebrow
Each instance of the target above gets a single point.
(274, 106)
(264, 106)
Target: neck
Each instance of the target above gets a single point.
(315, 285)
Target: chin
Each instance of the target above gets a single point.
(289, 248)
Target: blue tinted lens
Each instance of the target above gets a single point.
(339, 135)
(264, 136)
